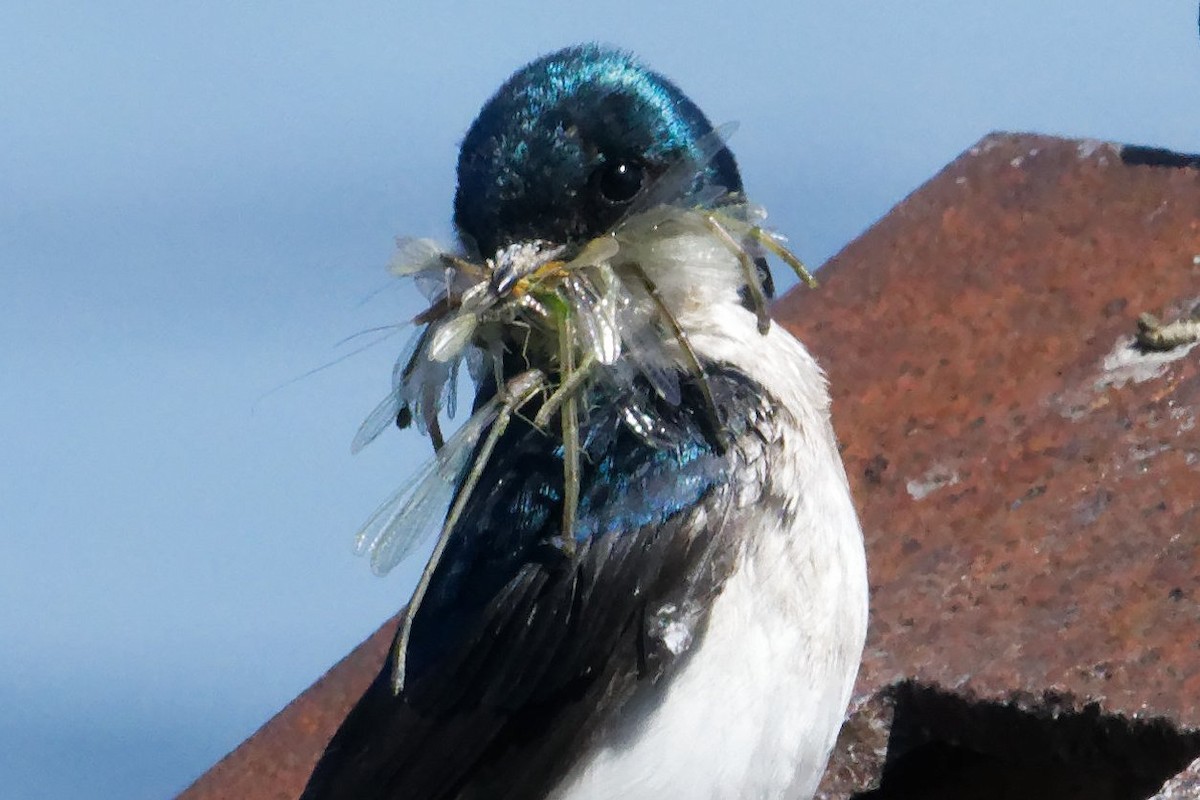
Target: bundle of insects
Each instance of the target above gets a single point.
(542, 329)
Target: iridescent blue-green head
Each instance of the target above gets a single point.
(571, 142)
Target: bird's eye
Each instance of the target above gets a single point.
(620, 181)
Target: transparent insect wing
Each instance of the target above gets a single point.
(435, 285)
(734, 221)
(412, 514)
(460, 277)
(382, 417)
(482, 361)
(595, 310)
(608, 302)
(595, 253)
(678, 179)
(647, 347)
(421, 392)
(407, 360)
(414, 256)
(645, 423)
(750, 213)
(450, 399)
(709, 196)
(419, 384)
(426, 392)
(635, 400)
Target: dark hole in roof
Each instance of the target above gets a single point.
(1139, 156)
(944, 746)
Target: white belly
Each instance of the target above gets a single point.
(755, 711)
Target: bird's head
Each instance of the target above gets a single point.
(603, 224)
(572, 142)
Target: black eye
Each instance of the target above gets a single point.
(620, 181)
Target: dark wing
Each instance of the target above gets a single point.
(518, 654)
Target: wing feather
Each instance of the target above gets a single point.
(519, 656)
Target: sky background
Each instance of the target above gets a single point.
(198, 203)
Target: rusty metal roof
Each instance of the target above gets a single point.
(1029, 483)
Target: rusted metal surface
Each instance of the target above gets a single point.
(1029, 485)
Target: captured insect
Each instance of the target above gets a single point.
(572, 321)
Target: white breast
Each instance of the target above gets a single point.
(755, 711)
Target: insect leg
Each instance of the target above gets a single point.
(689, 354)
(565, 389)
(749, 270)
(570, 433)
(517, 392)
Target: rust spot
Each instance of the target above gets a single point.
(874, 469)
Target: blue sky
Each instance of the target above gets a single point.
(200, 201)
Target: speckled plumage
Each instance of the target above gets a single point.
(702, 641)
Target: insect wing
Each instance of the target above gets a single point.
(416, 511)
(414, 256)
(676, 180)
(596, 313)
(383, 416)
(646, 345)
(595, 253)
(380, 419)
(644, 423)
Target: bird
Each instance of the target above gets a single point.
(674, 605)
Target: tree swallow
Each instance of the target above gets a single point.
(651, 580)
